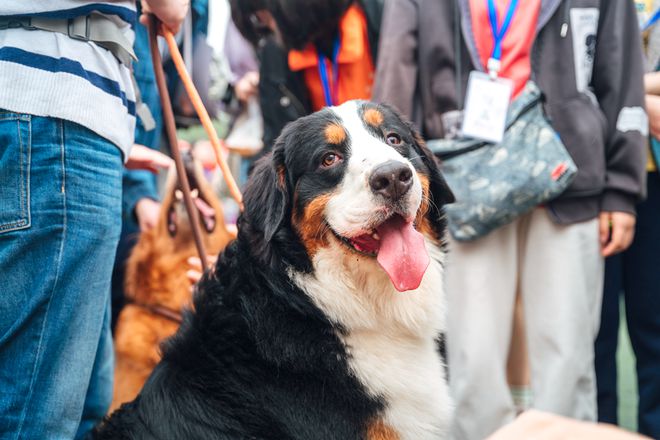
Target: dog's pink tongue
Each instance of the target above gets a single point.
(402, 253)
(204, 208)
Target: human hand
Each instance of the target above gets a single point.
(144, 158)
(652, 83)
(617, 230)
(247, 86)
(147, 212)
(170, 12)
(544, 426)
(196, 271)
(653, 110)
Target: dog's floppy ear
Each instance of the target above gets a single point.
(267, 201)
(265, 223)
(440, 191)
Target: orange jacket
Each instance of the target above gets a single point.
(356, 69)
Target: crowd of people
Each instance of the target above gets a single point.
(72, 203)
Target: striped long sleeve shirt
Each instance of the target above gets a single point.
(50, 74)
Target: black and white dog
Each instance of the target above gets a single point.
(322, 319)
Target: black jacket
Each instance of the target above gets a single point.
(600, 118)
(282, 93)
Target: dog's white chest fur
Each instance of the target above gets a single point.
(409, 375)
(391, 336)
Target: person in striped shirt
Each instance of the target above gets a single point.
(67, 118)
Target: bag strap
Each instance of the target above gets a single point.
(98, 29)
(94, 27)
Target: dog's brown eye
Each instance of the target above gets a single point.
(393, 139)
(330, 159)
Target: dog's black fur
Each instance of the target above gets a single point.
(256, 359)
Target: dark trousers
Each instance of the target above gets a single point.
(635, 274)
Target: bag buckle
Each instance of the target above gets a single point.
(16, 22)
(78, 28)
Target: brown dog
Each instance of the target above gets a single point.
(156, 284)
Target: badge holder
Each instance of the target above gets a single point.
(488, 96)
(486, 105)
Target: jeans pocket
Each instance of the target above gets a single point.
(15, 148)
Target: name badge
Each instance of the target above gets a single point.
(486, 105)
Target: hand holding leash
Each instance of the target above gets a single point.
(170, 13)
(144, 158)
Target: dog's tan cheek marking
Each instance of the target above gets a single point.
(311, 224)
(422, 221)
(335, 134)
(373, 117)
(380, 431)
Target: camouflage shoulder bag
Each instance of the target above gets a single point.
(496, 183)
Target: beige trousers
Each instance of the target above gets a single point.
(558, 270)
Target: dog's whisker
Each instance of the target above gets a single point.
(432, 203)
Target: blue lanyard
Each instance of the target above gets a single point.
(327, 91)
(498, 35)
(652, 21)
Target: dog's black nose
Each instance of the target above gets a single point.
(391, 180)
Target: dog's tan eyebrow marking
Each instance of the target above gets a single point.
(373, 117)
(335, 134)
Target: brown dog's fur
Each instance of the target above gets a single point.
(156, 276)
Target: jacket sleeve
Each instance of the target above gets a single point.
(396, 70)
(282, 93)
(618, 84)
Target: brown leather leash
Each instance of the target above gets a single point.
(170, 129)
(162, 311)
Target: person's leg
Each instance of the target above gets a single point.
(517, 366)
(137, 181)
(562, 286)
(129, 236)
(99, 392)
(55, 271)
(607, 341)
(481, 285)
(642, 293)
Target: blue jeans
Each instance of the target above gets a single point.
(99, 391)
(60, 217)
(634, 273)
